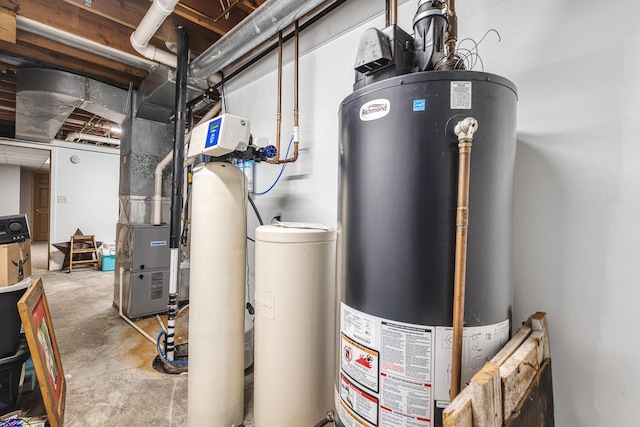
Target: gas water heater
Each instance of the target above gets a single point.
(397, 225)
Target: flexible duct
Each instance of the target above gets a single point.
(150, 23)
(261, 25)
(217, 295)
(86, 45)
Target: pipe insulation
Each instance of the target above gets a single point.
(152, 20)
(264, 23)
(86, 45)
(217, 296)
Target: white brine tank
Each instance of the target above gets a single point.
(294, 325)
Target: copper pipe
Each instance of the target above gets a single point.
(452, 29)
(391, 12)
(464, 130)
(277, 159)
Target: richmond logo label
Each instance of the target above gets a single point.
(375, 109)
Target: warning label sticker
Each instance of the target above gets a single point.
(405, 374)
(358, 326)
(349, 418)
(460, 95)
(361, 402)
(479, 345)
(360, 363)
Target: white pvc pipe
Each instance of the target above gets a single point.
(216, 295)
(150, 23)
(157, 194)
(86, 45)
(95, 138)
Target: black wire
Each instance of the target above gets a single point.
(255, 208)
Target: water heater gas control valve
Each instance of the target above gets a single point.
(220, 136)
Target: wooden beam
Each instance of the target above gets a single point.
(202, 13)
(74, 20)
(37, 41)
(68, 63)
(7, 88)
(7, 25)
(130, 13)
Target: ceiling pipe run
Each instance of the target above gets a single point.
(86, 45)
(264, 23)
(72, 136)
(155, 16)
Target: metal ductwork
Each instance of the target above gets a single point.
(45, 99)
(156, 94)
(255, 29)
(72, 40)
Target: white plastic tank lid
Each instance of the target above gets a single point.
(295, 233)
(23, 284)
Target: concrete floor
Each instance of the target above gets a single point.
(107, 364)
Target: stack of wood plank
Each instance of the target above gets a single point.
(513, 389)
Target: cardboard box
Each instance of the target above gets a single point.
(15, 262)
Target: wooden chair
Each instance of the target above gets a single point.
(80, 245)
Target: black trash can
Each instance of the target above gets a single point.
(9, 317)
(10, 371)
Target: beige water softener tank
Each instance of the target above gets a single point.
(216, 313)
(294, 325)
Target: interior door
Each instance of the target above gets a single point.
(41, 204)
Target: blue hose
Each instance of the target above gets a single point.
(164, 357)
(284, 165)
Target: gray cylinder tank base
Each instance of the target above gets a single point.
(398, 188)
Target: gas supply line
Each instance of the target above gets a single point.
(464, 130)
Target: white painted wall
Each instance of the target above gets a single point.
(90, 189)
(576, 180)
(9, 189)
(25, 191)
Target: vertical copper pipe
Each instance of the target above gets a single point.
(392, 12)
(295, 77)
(276, 159)
(296, 112)
(464, 130)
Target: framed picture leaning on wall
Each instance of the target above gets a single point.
(41, 338)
